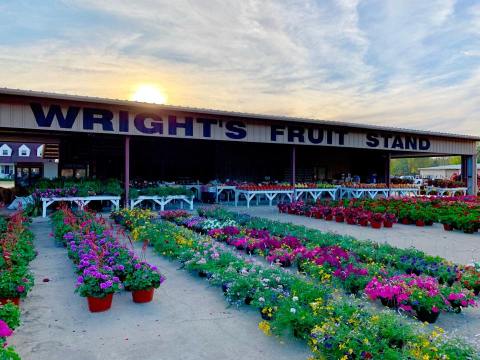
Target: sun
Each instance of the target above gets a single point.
(149, 94)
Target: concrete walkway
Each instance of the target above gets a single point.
(451, 245)
(188, 319)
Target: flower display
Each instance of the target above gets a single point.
(461, 212)
(335, 326)
(103, 264)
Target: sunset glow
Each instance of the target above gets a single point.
(149, 94)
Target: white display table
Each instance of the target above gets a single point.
(269, 194)
(358, 193)
(451, 191)
(228, 189)
(163, 200)
(81, 201)
(404, 191)
(316, 193)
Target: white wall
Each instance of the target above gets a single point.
(50, 170)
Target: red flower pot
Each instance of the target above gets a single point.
(376, 225)
(16, 301)
(329, 217)
(143, 296)
(351, 222)
(339, 219)
(100, 304)
(420, 223)
(318, 216)
(363, 222)
(387, 224)
(405, 221)
(447, 227)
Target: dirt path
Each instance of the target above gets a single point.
(188, 320)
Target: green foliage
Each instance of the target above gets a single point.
(410, 166)
(143, 277)
(8, 353)
(3, 225)
(10, 313)
(336, 327)
(85, 187)
(15, 282)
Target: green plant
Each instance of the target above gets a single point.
(3, 225)
(143, 277)
(15, 282)
(10, 313)
(8, 353)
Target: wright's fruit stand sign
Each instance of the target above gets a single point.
(165, 121)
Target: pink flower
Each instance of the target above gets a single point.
(20, 288)
(5, 330)
(435, 309)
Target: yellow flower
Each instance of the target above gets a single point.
(265, 327)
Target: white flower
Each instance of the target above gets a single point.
(295, 298)
(261, 299)
(293, 310)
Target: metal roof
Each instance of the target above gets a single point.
(120, 102)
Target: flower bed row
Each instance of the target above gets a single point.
(104, 266)
(345, 266)
(408, 261)
(335, 327)
(462, 212)
(352, 216)
(16, 280)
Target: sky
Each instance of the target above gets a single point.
(403, 63)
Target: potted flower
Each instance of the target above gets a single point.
(468, 223)
(470, 278)
(404, 215)
(351, 216)
(327, 213)
(389, 220)
(458, 297)
(143, 281)
(377, 220)
(281, 256)
(427, 304)
(98, 284)
(339, 214)
(15, 283)
(364, 218)
(448, 220)
(418, 216)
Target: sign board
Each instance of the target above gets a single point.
(177, 124)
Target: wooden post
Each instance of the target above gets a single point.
(293, 164)
(387, 169)
(127, 170)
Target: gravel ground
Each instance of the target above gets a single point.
(187, 320)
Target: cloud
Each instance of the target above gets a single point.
(408, 63)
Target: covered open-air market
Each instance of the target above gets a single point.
(239, 180)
